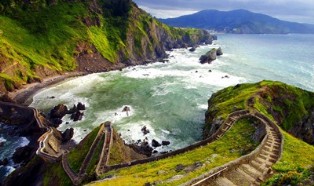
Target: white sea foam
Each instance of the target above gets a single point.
(203, 106)
(2, 140)
(9, 170)
(23, 141)
(131, 132)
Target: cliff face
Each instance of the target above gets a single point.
(292, 108)
(49, 37)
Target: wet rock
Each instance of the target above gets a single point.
(209, 70)
(126, 109)
(56, 122)
(145, 130)
(155, 151)
(72, 110)
(59, 111)
(2, 144)
(192, 49)
(81, 106)
(4, 162)
(219, 52)
(77, 116)
(208, 57)
(22, 154)
(143, 148)
(155, 143)
(67, 135)
(165, 143)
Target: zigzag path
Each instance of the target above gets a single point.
(105, 129)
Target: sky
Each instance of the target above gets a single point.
(301, 11)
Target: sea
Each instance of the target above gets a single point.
(170, 98)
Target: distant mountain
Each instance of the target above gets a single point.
(239, 22)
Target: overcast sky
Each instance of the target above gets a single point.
(290, 10)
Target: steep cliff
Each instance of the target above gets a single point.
(48, 37)
(292, 108)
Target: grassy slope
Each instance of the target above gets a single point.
(55, 175)
(296, 163)
(212, 155)
(47, 36)
(77, 155)
(290, 102)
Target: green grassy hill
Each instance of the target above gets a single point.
(46, 37)
(290, 107)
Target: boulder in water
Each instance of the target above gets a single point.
(4, 162)
(209, 56)
(192, 49)
(145, 130)
(155, 143)
(219, 52)
(77, 116)
(22, 154)
(81, 106)
(165, 143)
(59, 111)
(67, 135)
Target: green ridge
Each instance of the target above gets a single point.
(47, 35)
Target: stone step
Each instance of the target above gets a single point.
(266, 158)
(246, 176)
(258, 166)
(271, 154)
(272, 145)
(237, 178)
(250, 170)
(223, 181)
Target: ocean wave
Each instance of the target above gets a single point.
(2, 140)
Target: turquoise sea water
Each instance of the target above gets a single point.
(170, 99)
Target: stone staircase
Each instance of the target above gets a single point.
(256, 168)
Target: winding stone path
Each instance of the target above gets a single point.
(252, 169)
(92, 149)
(105, 129)
(105, 153)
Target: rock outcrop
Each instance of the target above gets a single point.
(305, 128)
(155, 143)
(67, 135)
(126, 44)
(210, 55)
(23, 154)
(59, 111)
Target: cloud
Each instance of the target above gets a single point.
(291, 10)
(166, 13)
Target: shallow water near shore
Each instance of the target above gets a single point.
(170, 99)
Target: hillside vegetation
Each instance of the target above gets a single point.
(290, 107)
(191, 164)
(47, 37)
